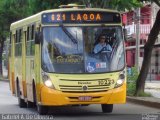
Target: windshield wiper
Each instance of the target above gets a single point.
(68, 34)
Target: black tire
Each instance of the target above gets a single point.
(85, 105)
(107, 108)
(42, 110)
(21, 102)
(30, 104)
(34, 95)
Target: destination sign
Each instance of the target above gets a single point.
(80, 17)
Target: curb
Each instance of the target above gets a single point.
(138, 100)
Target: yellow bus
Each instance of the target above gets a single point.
(53, 60)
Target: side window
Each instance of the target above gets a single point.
(16, 40)
(27, 33)
(30, 45)
(18, 43)
(32, 32)
(32, 40)
(27, 42)
(9, 47)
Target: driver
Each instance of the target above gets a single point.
(102, 45)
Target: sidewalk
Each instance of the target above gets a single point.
(147, 101)
(4, 79)
(152, 87)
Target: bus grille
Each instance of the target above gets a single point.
(73, 86)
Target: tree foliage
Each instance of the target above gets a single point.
(131, 81)
(114, 4)
(10, 11)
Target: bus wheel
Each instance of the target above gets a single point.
(30, 104)
(107, 108)
(42, 110)
(21, 102)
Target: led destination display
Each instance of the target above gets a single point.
(80, 17)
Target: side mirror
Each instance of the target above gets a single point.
(125, 34)
(38, 37)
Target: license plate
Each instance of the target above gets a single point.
(84, 98)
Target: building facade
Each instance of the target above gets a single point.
(146, 19)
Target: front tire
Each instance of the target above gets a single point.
(42, 110)
(30, 104)
(107, 108)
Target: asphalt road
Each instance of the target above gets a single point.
(128, 111)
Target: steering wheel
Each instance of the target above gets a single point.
(104, 50)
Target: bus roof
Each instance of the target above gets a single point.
(37, 17)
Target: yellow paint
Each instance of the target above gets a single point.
(80, 79)
(38, 91)
(9, 69)
(12, 84)
(52, 97)
(24, 87)
(119, 95)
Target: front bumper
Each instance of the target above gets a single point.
(50, 97)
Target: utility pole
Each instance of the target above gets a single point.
(137, 39)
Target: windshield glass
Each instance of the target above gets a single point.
(82, 49)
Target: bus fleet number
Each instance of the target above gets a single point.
(106, 82)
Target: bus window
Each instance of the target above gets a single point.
(30, 46)
(60, 51)
(110, 55)
(33, 32)
(18, 43)
(73, 47)
(16, 40)
(28, 33)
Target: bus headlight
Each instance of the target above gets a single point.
(120, 80)
(47, 81)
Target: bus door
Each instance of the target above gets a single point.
(29, 61)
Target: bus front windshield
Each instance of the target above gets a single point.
(82, 49)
